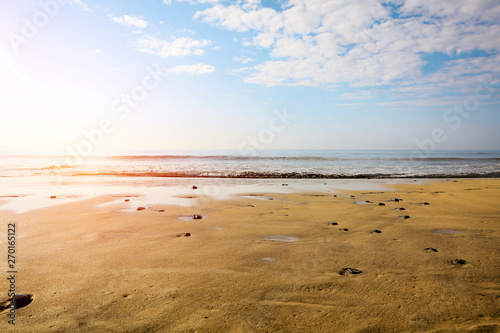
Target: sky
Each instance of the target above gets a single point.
(90, 77)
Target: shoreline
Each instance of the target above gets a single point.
(263, 261)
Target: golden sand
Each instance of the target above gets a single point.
(97, 269)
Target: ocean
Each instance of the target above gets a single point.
(265, 164)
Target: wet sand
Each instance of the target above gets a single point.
(99, 265)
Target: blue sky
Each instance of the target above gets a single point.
(354, 74)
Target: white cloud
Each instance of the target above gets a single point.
(195, 69)
(167, 2)
(178, 47)
(80, 3)
(127, 20)
(244, 59)
(360, 43)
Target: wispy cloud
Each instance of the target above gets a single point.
(177, 47)
(127, 20)
(80, 3)
(244, 59)
(195, 69)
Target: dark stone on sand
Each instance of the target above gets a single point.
(187, 234)
(21, 300)
(350, 271)
(197, 217)
(334, 223)
(377, 231)
(426, 204)
(400, 209)
(53, 197)
(431, 249)
(140, 208)
(344, 229)
(160, 210)
(368, 201)
(397, 200)
(406, 216)
(381, 204)
(284, 184)
(334, 196)
(352, 196)
(184, 234)
(195, 187)
(127, 200)
(458, 262)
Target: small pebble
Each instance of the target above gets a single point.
(377, 231)
(350, 271)
(344, 229)
(194, 187)
(127, 200)
(426, 204)
(334, 223)
(381, 204)
(431, 249)
(53, 197)
(197, 217)
(458, 262)
(140, 208)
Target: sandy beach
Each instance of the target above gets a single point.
(261, 261)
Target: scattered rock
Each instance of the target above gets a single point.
(399, 208)
(344, 229)
(431, 249)
(404, 217)
(194, 187)
(19, 301)
(160, 210)
(368, 201)
(53, 197)
(284, 184)
(197, 217)
(397, 200)
(334, 196)
(377, 231)
(334, 223)
(127, 200)
(458, 262)
(426, 204)
(184, 234)
(381, 204)
(352, 196)
(350, 271)
(140, 208)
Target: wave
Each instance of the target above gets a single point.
(297, 158)
(287, 175)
